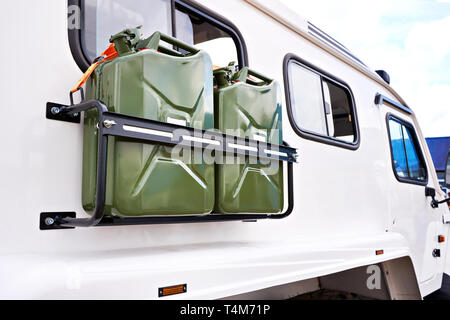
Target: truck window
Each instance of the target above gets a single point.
(103, 18)
(407, 159)
(308, 103)
(203, 35)
(321, 107)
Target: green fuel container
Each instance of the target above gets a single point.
(151, 81)
(249, 109)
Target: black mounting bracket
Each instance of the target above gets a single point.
(156, 132)
(49, 220)
(55, 111)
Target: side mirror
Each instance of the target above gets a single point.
(431, 192)
(447, 172)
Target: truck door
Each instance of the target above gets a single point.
(410, 210)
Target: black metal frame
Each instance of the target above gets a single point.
(112, 124)
(191, 7)
(390, 116)
(289, 58)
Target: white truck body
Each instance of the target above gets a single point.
(348, 203)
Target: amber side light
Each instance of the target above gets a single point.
(441, 239)
(379, 252)
(169, 291)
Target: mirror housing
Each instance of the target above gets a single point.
(447, 171)
(430, 192)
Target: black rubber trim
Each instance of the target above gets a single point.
(75, 40)
(390, 116)
(327, 76)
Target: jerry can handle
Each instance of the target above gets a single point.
(154, 43)
(243, 74)
(259, 76)
(178, 43)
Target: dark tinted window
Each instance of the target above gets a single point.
(407, 160)
(339, 116)
(398, 149)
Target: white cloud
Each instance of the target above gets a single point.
(429, 41)
(396, 36)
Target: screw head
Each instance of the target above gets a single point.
(49, 221)
(55, 110)
(109, 123)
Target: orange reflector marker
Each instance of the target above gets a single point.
(379, 252)
(441, 239)
(170, 291)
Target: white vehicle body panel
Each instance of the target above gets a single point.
(327, 232)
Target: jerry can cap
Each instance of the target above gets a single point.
(125, 41)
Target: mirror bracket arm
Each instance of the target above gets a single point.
(443, 201)
(431, 192)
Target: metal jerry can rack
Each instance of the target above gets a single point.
(156, 132)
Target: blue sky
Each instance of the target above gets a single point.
(410, 39)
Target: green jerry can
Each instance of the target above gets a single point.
(151, 81)
(248, 109)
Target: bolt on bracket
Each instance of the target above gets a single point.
(54, 112)
(49, 220)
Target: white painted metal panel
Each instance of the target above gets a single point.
(345, 201)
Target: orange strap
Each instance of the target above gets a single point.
(109, 54)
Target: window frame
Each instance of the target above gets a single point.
(417, 145)
(292, 58)
(189, 6)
